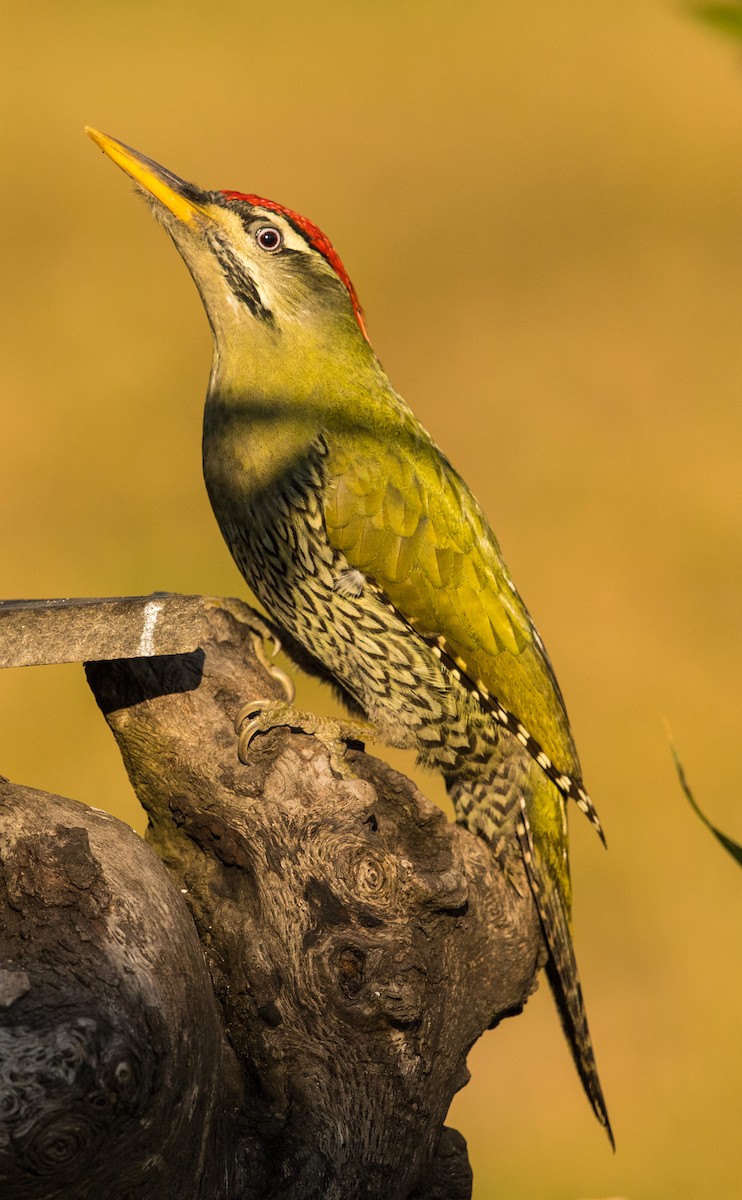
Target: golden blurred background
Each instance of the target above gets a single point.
(541, 206)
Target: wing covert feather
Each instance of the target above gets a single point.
(409, 523)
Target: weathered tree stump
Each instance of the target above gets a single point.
(284, 1008)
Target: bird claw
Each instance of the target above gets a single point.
(260, 716)
(260, 636)
(251, 719)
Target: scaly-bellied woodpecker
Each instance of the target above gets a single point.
(365, 545)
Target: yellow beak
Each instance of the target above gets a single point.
(183, 199)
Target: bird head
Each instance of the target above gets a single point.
(266, 274)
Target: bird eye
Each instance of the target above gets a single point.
(269, 238)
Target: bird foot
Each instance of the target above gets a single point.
(262, 633)
(260, 716)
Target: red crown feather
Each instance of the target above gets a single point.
(316, 238)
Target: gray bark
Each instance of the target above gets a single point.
(276, 996)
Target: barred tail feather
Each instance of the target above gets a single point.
(563, 977)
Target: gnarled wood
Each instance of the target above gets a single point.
(357, 944)
(116, 1078)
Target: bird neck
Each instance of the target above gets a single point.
(274, 395)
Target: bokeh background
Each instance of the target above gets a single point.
(540, 202)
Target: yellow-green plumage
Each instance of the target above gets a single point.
(404, 518)
(367, 547)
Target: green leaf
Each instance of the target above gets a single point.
(725, 18)
(732, 847)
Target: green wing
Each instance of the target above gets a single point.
(403, 517)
